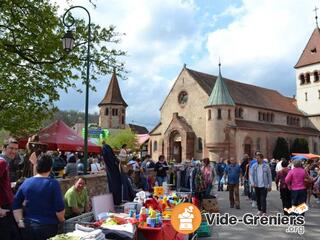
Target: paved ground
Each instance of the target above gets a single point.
(240, 231)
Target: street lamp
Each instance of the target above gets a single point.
(67, 43)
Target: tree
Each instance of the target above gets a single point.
(33, 65)
(71, 117)
(125, 136)
(300, 145)
(281, 149)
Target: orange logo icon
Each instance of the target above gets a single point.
(186, 218)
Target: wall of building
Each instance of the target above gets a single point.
(312, 89)
(193, 111)
(252, 114)
(96, 184)
(110, 121)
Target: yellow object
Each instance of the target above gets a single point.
(158, 191)
(152, 213)
(167, 213)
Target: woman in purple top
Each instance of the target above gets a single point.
(295, 183)
(285, 193)
(38, 206)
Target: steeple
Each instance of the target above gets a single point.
(113, 95)
(220, 94)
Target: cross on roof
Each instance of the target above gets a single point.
(316, 13)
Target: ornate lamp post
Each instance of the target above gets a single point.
(67, 43)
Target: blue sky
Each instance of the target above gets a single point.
(258, 41)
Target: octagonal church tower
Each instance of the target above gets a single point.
(219, 121)
(112, 113)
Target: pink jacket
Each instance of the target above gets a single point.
(295, 179)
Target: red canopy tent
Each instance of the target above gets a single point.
(60, 136)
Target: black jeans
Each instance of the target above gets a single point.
(261, 195)
(36, 231)
(285, 195)
(298, 196)
(8, 226)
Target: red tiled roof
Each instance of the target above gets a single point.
(137, 129)
(113, 94)
(249, 95)
(311, 53)
(267, 127)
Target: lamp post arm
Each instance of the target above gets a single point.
(87, 78)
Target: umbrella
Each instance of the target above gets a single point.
(298, 157)
(306, 155)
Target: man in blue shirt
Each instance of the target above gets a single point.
(221, 167)
(233, 172)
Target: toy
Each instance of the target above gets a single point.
(153, 203)
(143, 215)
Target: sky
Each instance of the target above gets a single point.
(258, 42)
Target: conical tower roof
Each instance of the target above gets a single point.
(113, 94)
(220, 94)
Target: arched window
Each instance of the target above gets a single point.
(298, 122)
(272, 117)
(258, 144)
(307, 77)
(302, 79)
(155, 146)
(106, 112)
(264, 116)
(306, 96)
(200, 146)
(268, 117)
(209, 114)
(219, 113)
(236, 112)
(316, 76)
(229, 114)
(240, 113)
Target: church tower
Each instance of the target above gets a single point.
(112, 113)
(308, 79)
(219, 117)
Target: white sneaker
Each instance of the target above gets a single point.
(259, 213)
(254, 204)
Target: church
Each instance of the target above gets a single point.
(210, 116)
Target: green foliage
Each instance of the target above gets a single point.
(281, 149)
(125, 136)
(71, 117)
(33, 65)
(300, 145)
(3, 136)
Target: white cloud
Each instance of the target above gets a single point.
(260, 34)
(157, 32)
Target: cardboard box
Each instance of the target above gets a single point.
(210, 205)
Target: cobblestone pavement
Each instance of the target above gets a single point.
(240, 231)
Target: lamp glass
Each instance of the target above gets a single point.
(68, 41)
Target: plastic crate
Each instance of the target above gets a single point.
(204, 230)
(69, 224)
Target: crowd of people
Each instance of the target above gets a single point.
(22, 215)
(296, 181)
